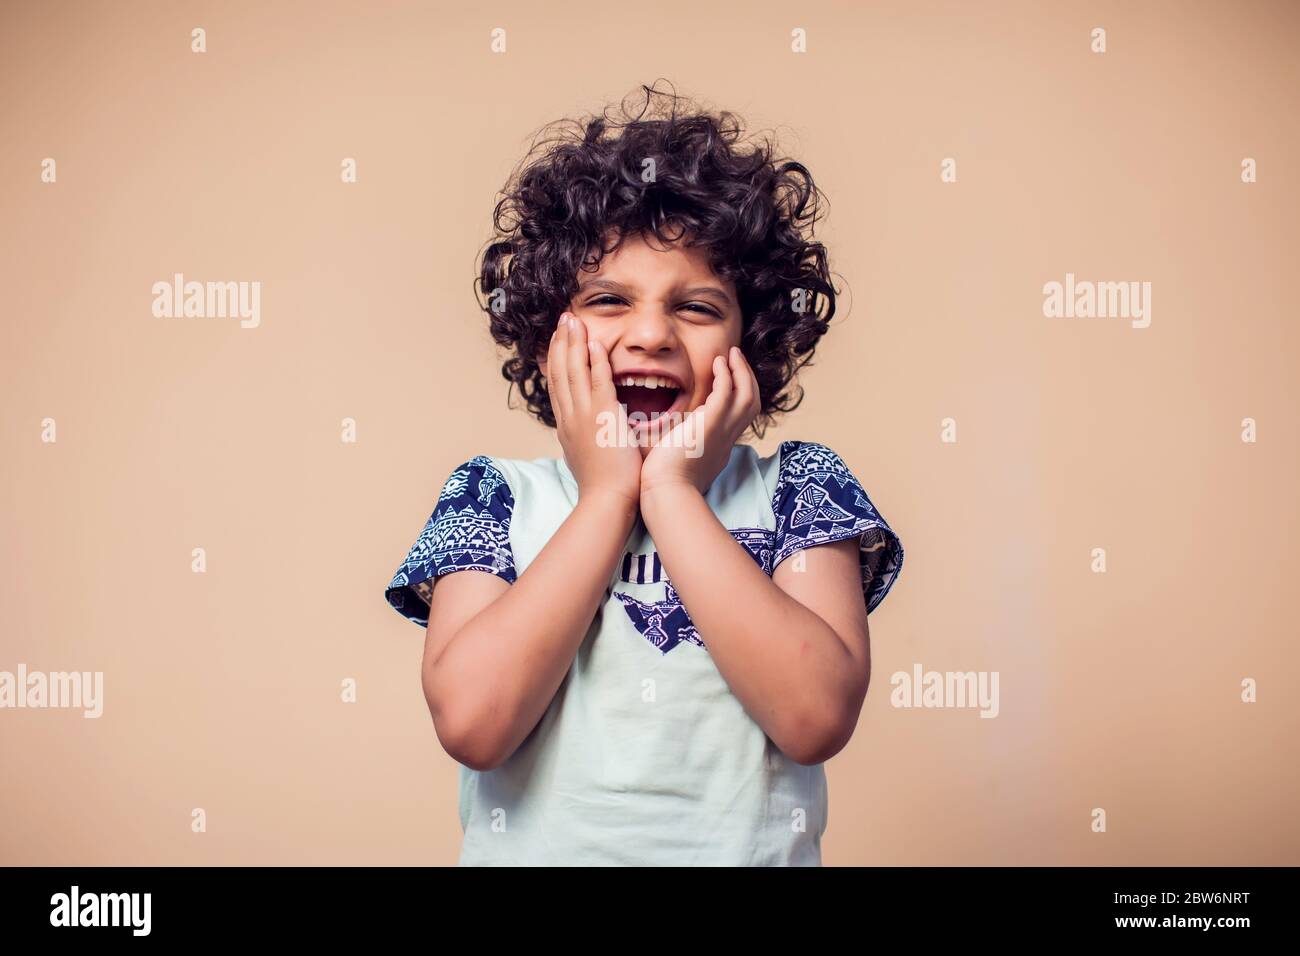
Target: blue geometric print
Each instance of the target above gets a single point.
(666, 623)
(469, 530)
(817, 501)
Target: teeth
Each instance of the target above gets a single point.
(647, 381)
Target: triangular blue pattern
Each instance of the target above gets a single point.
(468, 530)
(817, 501)
(666, 623)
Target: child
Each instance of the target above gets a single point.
(671, 636)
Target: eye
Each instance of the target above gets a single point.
(697, 307)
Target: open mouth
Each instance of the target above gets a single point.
(645, 396)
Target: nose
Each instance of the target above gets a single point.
(646, 329)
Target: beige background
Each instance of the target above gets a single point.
(1118, 690)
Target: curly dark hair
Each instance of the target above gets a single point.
(581, 182)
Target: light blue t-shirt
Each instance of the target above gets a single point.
(645, 756)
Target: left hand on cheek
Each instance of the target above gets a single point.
(696, 450)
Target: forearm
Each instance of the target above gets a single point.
(504, 666)
(787, 666)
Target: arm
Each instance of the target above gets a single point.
(798, 658)
(496, 653)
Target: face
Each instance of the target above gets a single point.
(663, 315)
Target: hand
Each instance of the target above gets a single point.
(580, 383)
(696, 450)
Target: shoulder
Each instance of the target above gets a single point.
(815, 486)
(819, 500)
(478, 479)
(810, 457)
(513, 482)
(795, 463)
(530, 477)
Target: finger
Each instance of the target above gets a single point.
(603, 392)
(720, 397)
(746, 401)
(559, 378)
(578, 362)
(713, 413)
(552, 395)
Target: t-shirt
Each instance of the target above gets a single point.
(645, 756)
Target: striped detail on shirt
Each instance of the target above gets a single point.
(641, 568)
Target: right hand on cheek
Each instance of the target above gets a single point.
(603, 457)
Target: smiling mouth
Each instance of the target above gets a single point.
(648, 403)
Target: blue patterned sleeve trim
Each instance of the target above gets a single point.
(818, 501)
(469, 530)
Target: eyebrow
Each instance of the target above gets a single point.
(699, 290)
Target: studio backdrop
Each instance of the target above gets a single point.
(1064, 363)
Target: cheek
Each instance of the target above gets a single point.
(703, 386)
(704, 370)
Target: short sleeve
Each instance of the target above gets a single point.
(469, 530)
(818, 501)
